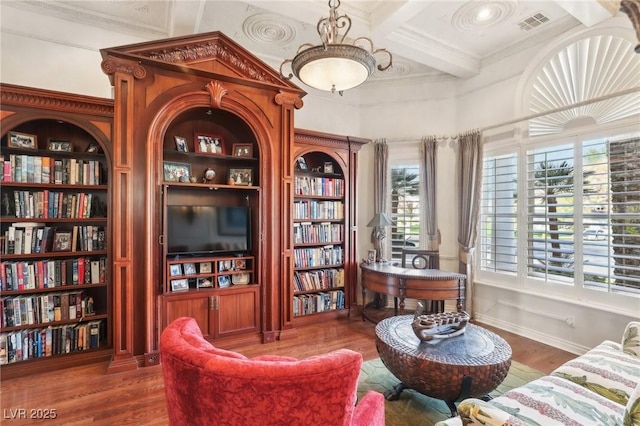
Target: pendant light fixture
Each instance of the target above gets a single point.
(335, 65)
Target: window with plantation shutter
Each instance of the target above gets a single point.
(580, 221)
(405, 208)
(498, 214)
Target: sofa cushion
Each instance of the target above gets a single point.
(631, 339)
(547, 401)
(605, 370)
(632, 410)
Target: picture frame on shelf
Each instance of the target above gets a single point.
(175, 270)
(240, 279)
(240, 264)
(241, 176)
(371, 256)
(243, 150)
(224, 281)
(59, 145)
(205, 267)
(224, 265)
(208, 144)
(180, 285)
(301, 164)
(62, 241)
(181, 144)
(204, 283)
(176, 172)
(22, 140)
(189, 268)
(328, 167)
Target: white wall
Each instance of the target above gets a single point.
(399, 113)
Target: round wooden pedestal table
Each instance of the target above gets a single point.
(469, 365)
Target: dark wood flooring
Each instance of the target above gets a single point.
(87, 395)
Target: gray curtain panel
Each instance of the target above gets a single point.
(380, 166)
(428, 172)
(470, 179)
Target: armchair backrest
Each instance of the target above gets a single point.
(208, 385)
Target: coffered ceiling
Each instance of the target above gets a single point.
(428, 38)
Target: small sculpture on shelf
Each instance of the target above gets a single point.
(209, 175)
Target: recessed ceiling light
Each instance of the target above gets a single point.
(484, 14)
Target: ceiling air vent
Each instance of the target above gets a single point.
(533, 21)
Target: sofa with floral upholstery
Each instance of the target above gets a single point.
(206, 385)
(601, 387)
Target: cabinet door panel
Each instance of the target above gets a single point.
(238, 312)
(197, 308)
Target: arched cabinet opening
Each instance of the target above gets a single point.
(210, 227)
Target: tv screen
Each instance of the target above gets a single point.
(208, 229)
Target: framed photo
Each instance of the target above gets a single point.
(328, 167)
(59, 145)
(240, 279)
(240, 264)
(224, 265)
(62, 241)
(243, 150)
(224, 281)
(204, 283)
(371, 256)
(208, 144)
(181, 144)
(22, 140)
(189, 268)
(175, 270)
(180, 285)
(205, 267)
(241, 176)
(176, 172)
(301, 163)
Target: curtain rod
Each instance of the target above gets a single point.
(528, 117)
(564, 108)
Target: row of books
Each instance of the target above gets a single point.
(51, 273)
(315, 210)
(23, 238)
(318, 256)
(45, 308)
(307, 232)
(22, 345)
(330, 187)
(318, 280)
(51, 204)
(39, 169)
(306, 304)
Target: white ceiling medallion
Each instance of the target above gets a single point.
(477, 15)
(588, 69)
(266, 28)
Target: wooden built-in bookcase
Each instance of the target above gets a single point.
(170, 96)
(55, 272)
(324, 278)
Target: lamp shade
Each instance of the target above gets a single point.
(334, 67)
(380, 219)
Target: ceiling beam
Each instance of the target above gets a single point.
(389, 23)
(590, 12)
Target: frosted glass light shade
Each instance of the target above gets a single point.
(337, 67)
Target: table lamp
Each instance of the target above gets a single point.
(379, 221)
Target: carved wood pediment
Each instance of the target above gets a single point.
(210, 52)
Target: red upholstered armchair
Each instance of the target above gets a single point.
(205, 385)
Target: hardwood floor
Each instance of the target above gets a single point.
(87, 395)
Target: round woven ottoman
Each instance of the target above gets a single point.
(470, 365)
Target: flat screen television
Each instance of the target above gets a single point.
(199, 230)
